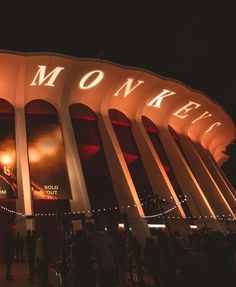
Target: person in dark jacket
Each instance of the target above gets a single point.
(19, 243)
(42, 258)
(30, 250)
(104, 260)
(152, 259)
(81, 271)
(9, 249)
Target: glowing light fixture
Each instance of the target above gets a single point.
(156, 225)
(193, 226)
(6, 159)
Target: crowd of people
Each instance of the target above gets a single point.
(115, 258)
(36, 250)
(201, 259)
(204, 258)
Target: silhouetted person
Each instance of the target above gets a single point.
(42, 257)
(81, 262)
(4, 244)
(104, 264)
(135, 259)
(19, 243)
(30, 250)
(152, 258)
(168, 261)
(120, 252)
(9, 249)
(179, 247)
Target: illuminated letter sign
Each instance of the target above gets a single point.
(203, 116)
(94, 82)
(212, 126)
(42, 78)
(156, 102)
(128, 87)
(188, 107)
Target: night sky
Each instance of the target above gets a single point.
(190, 41)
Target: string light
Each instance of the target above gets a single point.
(74, 212)
(11, 211)
(166, 211)
(159, 215)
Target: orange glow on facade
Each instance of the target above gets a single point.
(102, 86)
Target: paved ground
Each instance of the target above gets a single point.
(21, 274)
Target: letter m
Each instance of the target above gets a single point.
(47, 80)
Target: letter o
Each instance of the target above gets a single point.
(98, 79)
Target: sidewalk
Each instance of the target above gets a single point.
(21, 274)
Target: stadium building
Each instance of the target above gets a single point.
(94, 137)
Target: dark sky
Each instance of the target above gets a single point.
(191, 41)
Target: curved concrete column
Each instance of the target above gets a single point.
(122, 181)
(24, 202)
(80, 200)
(212, 191)
(218, 176)
(157, 176)
(222, 174)
(196, 199)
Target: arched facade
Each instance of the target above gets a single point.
(98, 135)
